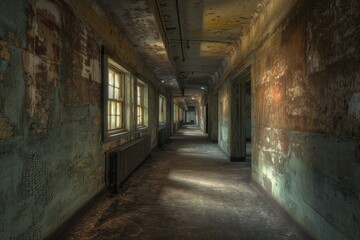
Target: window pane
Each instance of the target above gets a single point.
(111, 92)
(118, 123)
(139, 115)
(111, 77)
(113, 108)
(117, 80)
(116, 95)
(138, 95)
(113, 119)
(118, 108)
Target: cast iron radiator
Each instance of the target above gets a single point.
(122, 161)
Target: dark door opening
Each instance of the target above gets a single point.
(207, 118)
(248, 111)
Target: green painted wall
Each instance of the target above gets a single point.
(51, 149)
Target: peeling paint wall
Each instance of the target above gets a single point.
(306, 127)
(224, 118)
(306, 80)
(51, 150)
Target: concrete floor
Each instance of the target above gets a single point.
(187, 190)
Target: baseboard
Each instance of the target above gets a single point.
(64, 229)
(280, 210)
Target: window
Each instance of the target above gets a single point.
(162, 109)
(176, 113)
(125, 100)
(115, 99)
(141, 93)
(140, 105)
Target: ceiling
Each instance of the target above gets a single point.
(184, 41)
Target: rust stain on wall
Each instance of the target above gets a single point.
(288, 97)
(13, 40)
(42, 77)
(81, 63)
(41, 61)
(6, 130)
(4, 51)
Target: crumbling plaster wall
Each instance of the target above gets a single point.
(306, 108)
(51, 150)
(224, 118)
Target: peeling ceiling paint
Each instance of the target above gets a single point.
(138, 21)
(199, 35)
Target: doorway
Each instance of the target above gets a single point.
(248, 118)
(241, 117)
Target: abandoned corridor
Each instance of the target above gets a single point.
(187, 190)
(90, 88)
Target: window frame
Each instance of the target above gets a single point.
(162, 110)
(176, 113)
(110, 62)
(143, 104)
(119, 102)
(140, 104)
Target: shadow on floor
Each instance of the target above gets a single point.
(187, 190)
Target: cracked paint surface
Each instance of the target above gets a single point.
(51, 148)
(305, 86)
(306, 127)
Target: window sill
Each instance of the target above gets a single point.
(113, 136)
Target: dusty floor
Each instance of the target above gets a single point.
(187, 190)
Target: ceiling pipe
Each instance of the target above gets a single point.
(167, 40)
(181, 38)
